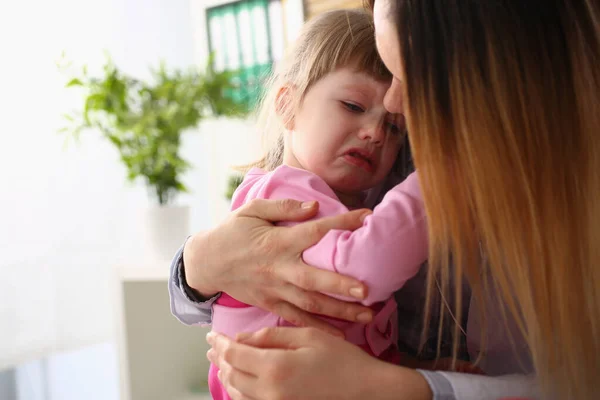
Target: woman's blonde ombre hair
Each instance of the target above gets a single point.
(504, 121)
(335, 39)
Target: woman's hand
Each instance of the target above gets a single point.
(305, 363)
(260, 264)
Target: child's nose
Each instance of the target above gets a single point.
(374, 133)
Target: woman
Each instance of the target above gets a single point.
(502, 100)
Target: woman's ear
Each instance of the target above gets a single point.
(284, 106)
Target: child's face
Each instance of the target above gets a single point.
(343, 133)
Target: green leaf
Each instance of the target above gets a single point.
(115, 140)
(145, 120)
(74, 82)
(95, 102)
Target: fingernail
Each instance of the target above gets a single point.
(308, 204)
(357, 292)
(211, 337)
(364, 317)
(210, 354)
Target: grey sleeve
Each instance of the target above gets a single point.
(187, 308)
(439, 384)
(458, 386)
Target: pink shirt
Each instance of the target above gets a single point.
(384, 253)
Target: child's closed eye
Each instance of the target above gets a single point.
(354, 108)
(396, 126)
(393, 128)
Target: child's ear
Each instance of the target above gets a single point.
(284, 106)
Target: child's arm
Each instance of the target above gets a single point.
(389, 248)
(386, 252)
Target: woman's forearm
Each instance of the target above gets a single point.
(391, 382)
(197, 273)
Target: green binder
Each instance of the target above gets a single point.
(240, 37)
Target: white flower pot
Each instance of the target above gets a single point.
(166, 229)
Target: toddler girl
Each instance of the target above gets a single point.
(335, 142)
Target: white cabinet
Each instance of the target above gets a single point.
(159, 358)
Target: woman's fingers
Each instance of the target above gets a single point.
(305, 363)
(301, 318)
(226, 351)
(318, 303)
(239, 385)
(307, 234)
(303, 236)
(282, 338)
(314, 279)
(279, 210)
(235, 394)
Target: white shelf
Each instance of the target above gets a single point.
(161, 359)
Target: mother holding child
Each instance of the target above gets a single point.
(475, 277)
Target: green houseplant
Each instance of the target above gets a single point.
(145, 120)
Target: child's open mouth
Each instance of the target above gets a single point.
(359, 158)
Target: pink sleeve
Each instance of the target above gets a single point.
(289, 183)
(386, 251)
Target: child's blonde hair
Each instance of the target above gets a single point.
(335, 39)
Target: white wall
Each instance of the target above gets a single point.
(67, 214)
(89, 373)
(157, 30)
(230, 144)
